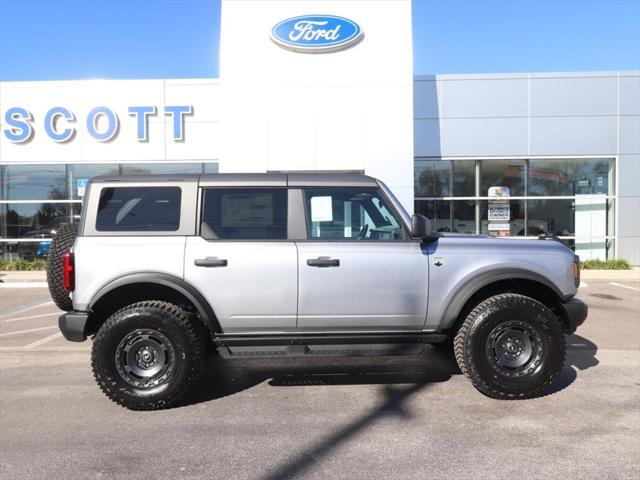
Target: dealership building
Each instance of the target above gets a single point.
(563, 148)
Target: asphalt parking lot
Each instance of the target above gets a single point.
(385, 417)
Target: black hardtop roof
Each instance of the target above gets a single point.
(310, 179)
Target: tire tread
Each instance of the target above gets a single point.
(61, 244)
(183, 321)
(466, 364)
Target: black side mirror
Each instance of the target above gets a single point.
(421, 229)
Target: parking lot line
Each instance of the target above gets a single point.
(624, 286)
(27, 308)
(30, 317)
(42, 341)
(18, 332)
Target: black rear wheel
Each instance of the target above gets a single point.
(148, 356)
(510, 346)
(61, 244)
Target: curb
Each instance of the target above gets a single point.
(39, 276)
(628, 275)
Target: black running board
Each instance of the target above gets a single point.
(281, 351)
(232, 340)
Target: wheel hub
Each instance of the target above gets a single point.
(145, 358)
(515, 348)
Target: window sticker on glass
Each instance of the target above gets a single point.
(321, 209)
(241, 209)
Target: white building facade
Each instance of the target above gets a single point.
(565, 146)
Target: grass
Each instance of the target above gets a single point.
(612, 264)
(22, 265)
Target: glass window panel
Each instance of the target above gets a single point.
(139, 209)
(160, 168)
(32, 220)
(244, 214)
(553, 217)
(438, 211)
(516, 219)
(432, 178)
(210, 167)
(350, 213)
(34, 182)
(502, 173)
(464, 178)
(464, 216)
(79, 173)
(554, 177)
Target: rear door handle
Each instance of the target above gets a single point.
(323, 262)
(210, 262)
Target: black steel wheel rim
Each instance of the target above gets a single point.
(515, 349)
(145, 358)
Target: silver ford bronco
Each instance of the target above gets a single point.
(163, 268)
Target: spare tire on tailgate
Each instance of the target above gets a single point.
(61, 244)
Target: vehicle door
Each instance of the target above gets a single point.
(241, 260)
(358, 269)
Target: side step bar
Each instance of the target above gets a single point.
(328, 339)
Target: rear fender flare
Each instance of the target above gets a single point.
(179, 285)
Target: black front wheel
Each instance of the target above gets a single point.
(510, 346)
(148, 356)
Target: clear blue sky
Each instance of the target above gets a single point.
(76, 39)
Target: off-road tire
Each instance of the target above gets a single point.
(61, 244)
(168, 321)
(474, 357)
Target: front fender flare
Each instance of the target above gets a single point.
(465, 291)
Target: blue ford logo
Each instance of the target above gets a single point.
(316, 33)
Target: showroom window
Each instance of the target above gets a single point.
(572, 199)
(37, 199)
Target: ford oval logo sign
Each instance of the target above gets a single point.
(316, 33)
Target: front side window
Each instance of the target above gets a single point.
(244, 214)
(350, 213)
(139, 209)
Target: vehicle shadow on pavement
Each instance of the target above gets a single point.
(581, 355)
(225, 377)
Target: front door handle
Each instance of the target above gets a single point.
(323, 262)
(210, 262)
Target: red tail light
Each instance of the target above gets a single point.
(68, 273)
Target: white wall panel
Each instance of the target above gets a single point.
(629, 94)
(628, 175)
(629, 134)
(573, 135)
(483, 137)
(318, 108)
(574, 95)
(483, 98)
(629, 249)
(202, 142)
(426, 137)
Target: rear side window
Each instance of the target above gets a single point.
(244, 214)
(139, 209)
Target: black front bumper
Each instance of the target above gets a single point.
(574, 312)
(73, 325)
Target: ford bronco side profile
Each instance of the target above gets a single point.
(162, 268)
